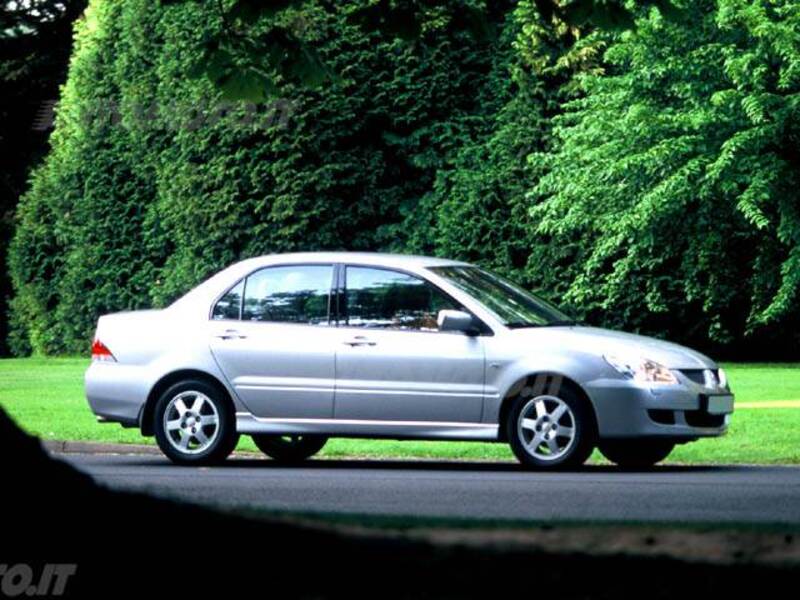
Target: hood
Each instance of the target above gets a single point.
(597, 341)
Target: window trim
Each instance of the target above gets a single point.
(243, 279)
(483, 329)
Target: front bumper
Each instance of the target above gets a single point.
(684, 411)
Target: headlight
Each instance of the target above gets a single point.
(642, 369)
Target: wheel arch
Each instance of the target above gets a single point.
(148, 409)
(548, 382)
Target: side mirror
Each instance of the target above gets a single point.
(456, 320)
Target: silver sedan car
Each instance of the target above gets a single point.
(295, 349)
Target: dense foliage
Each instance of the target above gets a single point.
(644, 177)
(35, 43)
(671, 201)
(246, 66)
(142, 195)
(480, 201)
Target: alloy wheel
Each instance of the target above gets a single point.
(546, 427)
(191, 422)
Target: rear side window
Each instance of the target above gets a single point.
(381, 298)
(291, 294)
(229, 307)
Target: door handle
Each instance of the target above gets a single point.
(230, 334)
(359, 340)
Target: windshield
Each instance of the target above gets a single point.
(510, 303)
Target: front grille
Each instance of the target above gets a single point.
(698, 376)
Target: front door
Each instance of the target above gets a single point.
(392, 363)
(271, 336)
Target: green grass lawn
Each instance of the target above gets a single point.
(45, 396)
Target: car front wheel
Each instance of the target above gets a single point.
(636, 454)
(194, 424)
(553, 431)
(289, 448)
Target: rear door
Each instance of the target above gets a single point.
(272, 337)
(392, 363)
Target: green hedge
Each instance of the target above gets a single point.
(647, 179)
(135, 207)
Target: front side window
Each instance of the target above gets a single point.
(385, 299)
(292, 294)
(514, 306)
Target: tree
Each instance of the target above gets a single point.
(671, 201)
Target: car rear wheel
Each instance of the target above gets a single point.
(636, 454)
(553, 431)
(289, 448)
(194, 424)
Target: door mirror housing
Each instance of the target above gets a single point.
(456, 320)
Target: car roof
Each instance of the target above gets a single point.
(366, 258)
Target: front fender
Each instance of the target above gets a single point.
(504, 380)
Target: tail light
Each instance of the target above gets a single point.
(101, 352)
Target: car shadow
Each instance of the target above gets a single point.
(454, 466)
(417, 464)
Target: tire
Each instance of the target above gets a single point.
(289, 448)
(636, 454)
(178, 417)
(575, 415)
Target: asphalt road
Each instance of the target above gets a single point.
(466, 490)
